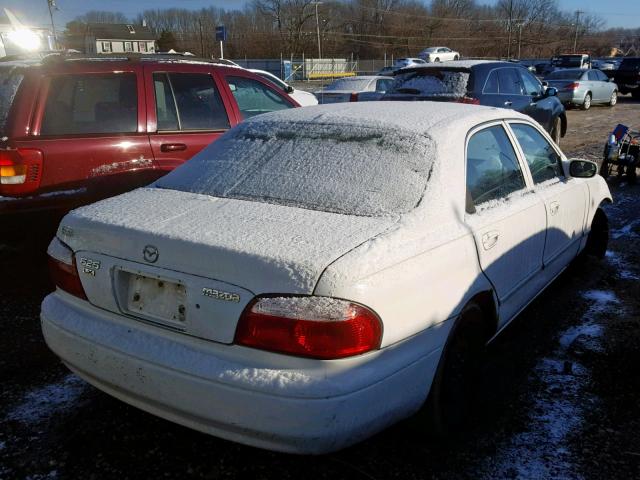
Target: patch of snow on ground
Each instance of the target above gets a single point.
(41, 403)
(558, 407)
(614, 259)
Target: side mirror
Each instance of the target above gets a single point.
(551, 92)
(289, 89)
(545, 84)
(583, 168)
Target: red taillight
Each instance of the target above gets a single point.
(309, 326)
(353, 97)
(571, 86)
(20, 171)
(62, 266)
(469, 100)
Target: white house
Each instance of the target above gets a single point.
(119, 38)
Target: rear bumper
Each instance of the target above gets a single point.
(571, 98)
(244, 395)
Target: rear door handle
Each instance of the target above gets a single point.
(508, 103)
(173, 147)
(490, 239)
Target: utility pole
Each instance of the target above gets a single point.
(510, 20)
(575, 39)
(519, 38)
(318, 27)
(52, 6)
(201, 41)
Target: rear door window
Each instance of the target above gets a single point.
(10, 80)
(592, 76)
(254, 97)
(491, 85)
(188, 101)
(383, 85)
(509, 81)
(493, 171)
(91, 103)
(543, 160)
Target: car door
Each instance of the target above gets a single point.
(188, 111)
(508, 221)
(537, 106)
(90, 128)
(607, 86)
(565, 198)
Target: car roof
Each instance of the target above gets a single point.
(461, 64)
(416, 117)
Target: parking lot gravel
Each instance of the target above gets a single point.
(560, 394)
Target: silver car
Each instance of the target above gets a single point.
(583, 87)
(354, 89)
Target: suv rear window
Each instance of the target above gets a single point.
(432, 82)
(348, 169)
(91, 103)
(630, 64)
(10, 80)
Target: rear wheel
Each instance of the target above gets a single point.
(556, 131)
(450, 402)
(586, 105)
(614, 99)
(636, 93)
(436, 60)
(456, 57)
(598, 239)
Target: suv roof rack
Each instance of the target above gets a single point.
(134, 57)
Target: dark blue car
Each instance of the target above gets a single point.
(482, 82)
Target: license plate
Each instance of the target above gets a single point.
(157, 298)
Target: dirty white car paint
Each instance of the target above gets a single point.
(362, 207)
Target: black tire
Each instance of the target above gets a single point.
(614, 99)
(556, 131)
(586, 104)
(456, 57)
(450, 403)
(598, 239)
(437, 60)
(636, 93)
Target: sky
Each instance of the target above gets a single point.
(621, 13)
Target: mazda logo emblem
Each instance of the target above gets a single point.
(150, 254)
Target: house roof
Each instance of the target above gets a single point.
(120, 31)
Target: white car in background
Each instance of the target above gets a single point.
(317, 274)
(438, 54)
(355, 89)
(303, 98)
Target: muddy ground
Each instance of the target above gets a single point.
(560, 397)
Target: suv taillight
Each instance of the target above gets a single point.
(20, 171)
(62, 266)
(309, 326)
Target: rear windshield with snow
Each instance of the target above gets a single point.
(10, 79)
(348, 169)
(432, 82)
(355, 84)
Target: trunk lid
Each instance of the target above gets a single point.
(192, 262)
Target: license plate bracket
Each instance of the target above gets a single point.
(156, 298)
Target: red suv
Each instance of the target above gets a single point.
(75, 129)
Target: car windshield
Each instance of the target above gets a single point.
(275, 80)
(356, 84)
(10, 80)
(340, 168)
(565, 75)
(432, 82)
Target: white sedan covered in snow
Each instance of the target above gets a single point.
(317, 274)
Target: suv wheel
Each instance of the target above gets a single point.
(614, 99)
(586, 105)
(556, 131)
(451, 397)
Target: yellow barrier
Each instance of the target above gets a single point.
(312, 76)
